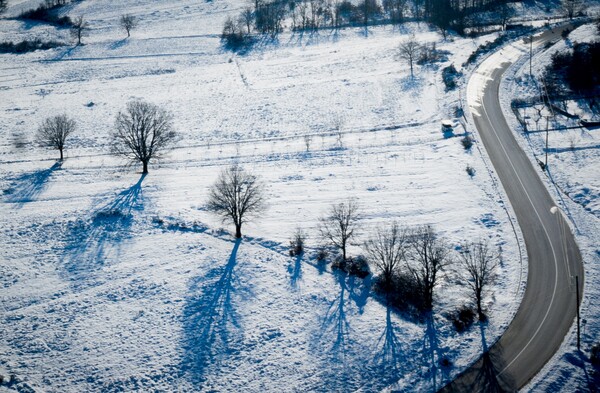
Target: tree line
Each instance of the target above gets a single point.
(268, 16)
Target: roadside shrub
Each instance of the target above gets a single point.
(322, 254)
(470, 170)
(297, 243)
(28, 46)
(449, 76)
(467, 142)
(403, 293)
(355, 266)
(463, 318)
(430, 54)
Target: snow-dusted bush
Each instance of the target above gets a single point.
(467, 142)
(297, 243)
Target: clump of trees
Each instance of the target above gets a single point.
(575, 71)
(55, 131)
(142, 132)
(268, 16)
(237, 195)
(3, 6)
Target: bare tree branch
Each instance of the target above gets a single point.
(479, 263)
(237, 195)
(428, 257)
(54, 131)
(387, 250)
(143, 131)
(340, 224)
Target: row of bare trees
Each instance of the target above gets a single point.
(142, 132)
(417, 252)
(80, 27)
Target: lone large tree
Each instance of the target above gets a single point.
(143, 131)
(340, 224)
(479, 263)
(128, 23)
(79, 29)
(237, 195)
(54, 131)
(409, 51)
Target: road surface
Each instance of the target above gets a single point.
(548, 308)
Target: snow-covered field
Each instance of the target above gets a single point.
(572, 178)
(160, 297)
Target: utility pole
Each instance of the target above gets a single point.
(530, 55)
(577, 292)
(546, 162)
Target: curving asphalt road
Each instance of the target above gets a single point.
(548, 308)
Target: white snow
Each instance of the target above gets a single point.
(158, 297)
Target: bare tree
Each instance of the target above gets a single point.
(247, 18)
(79, 29)
(3, 5)
(340, 224)
(428, 257)
(387, 249)
(479, 263)
(237, 195)
(54, 132)
(409, 52)
(128, 23)
(142, 132)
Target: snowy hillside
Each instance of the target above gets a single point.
(113, 281)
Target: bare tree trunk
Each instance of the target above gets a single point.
(61, 153)
(145, 163)
(238, 231)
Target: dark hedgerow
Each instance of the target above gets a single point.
(28, 46)
(46, 13)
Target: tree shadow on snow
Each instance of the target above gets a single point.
(91, 242)
(343, 356)
(117, 44)
(434, 355)
(29, 186)
(295, 271)
(212, 330)
(485, 374)
(389, 356)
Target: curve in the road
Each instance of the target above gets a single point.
(548, 307)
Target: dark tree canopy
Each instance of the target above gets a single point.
(3, 5)
(54, 131)
(143, 131)
(236, 196)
